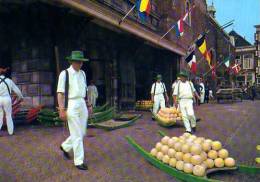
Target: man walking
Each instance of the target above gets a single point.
(92, 93)
(6, 87)
(159, 94)
(71, 90)
(183, 95)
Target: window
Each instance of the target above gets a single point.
(258, 62)
(238, 60)
(258, 81)
(248, 61)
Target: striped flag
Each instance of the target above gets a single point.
(179, 26)
(202, 45)
(236, 68)
(191, 61)
(144, 8)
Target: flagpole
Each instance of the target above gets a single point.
(127, 14)
(167, 32)
(213, 67)
(177, 21)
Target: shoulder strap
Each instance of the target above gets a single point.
(190, 87)
(2, 80)
(66, 89)
(178, 93)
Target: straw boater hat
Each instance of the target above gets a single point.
(158, 77)
(183, 74)
(77, 56)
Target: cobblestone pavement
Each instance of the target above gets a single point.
(33, 154)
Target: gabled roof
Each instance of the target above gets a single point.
(239, 40)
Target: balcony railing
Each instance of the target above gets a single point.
(123, 6)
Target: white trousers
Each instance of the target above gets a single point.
(188, 116)
(159, 101)
(77, 114)
(92, 98)
(6, 106)
(202, 97)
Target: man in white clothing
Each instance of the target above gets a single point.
(202, 92)
(92, 93)
(158, 94)
(71, 90)
(6, 87)
(183, 95)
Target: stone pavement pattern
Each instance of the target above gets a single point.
(33, 153)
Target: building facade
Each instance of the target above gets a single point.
(245, 57)
(257, 54)
(124, 58)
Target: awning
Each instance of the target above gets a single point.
(104, 14)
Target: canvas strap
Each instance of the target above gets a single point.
(66, 89)
(2, 80)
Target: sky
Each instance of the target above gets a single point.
(246, 14)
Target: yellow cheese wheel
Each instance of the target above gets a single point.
(196, 160)
(166, 159)
(223, 153)
(185, 148)
(173, 162)
(171, 143)
(159, 156)
(206, 146)
(212, 154)
(177, 146)
(180, 165)
(153, 152)
(158, 146)
(195, 149)
(179, 156)
(219, 162)
(188, 168)
(230, 162)
(199, 170)
(216, 145)
(164, 149)
(164, 140)
(171, 152)
(187, 157)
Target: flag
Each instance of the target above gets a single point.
(191, 61)
(179, 26)
(227, 62)
(201, 43)
(213, 72)
(236, 68)
(144, 8)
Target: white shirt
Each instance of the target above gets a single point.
(92, 90)
(12, 87)
(159, 89)
(174, 85)
(184, 90)
(77, 83)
